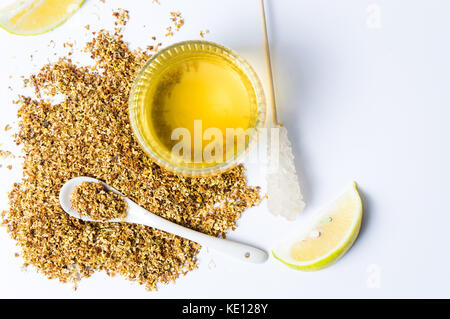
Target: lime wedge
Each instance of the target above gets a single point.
(332, 233)
(31, 17)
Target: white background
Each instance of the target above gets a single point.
(364, 89)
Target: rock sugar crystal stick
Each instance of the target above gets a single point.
(283, 189)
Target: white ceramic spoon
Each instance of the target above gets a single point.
(138, 215)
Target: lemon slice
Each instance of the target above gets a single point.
(331, 235)
(31, 17)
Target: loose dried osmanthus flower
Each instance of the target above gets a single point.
(94, 201)
(89, 134)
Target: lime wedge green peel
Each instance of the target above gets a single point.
(32, 17)
(331, 235)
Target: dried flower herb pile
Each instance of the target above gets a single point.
(89, 134)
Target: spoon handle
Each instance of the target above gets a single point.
(139, 215)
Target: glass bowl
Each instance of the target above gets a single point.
(156, 65)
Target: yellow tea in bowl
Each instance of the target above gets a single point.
(195, 108)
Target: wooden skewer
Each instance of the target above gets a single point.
(268, 65)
